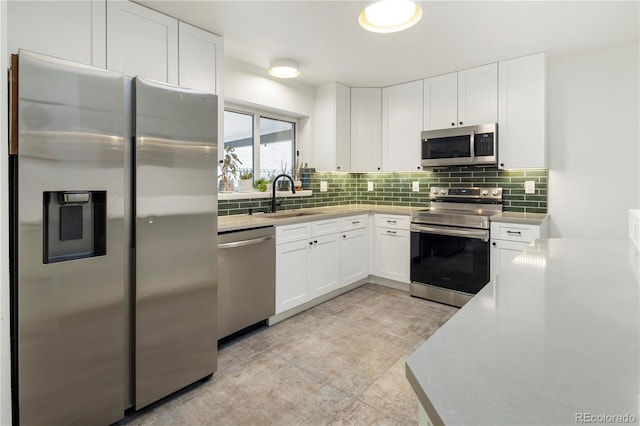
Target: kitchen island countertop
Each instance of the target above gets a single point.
(555, 339)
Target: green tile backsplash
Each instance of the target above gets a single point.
(394, 189)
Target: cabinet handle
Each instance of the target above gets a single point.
(315, 241)
(501, 164)
(514, 232)
(453, 124)
(378, 168)
(310, 243)
(418, 167)
(344, 236)
(338, 167)
(461, 122)
(391, 221)
(389, 231)
(356, 222)
(494, 244)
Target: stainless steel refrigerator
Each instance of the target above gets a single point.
(113, 240)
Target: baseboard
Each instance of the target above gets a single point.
(386, 282)
(318, 300)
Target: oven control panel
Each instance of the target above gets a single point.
(474, 193)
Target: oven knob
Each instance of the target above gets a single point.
(443, 191)
(435, 191)
(485, 193)
(495, 193)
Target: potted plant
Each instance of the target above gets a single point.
(245, 184)
(260, 185)
(228, 169)
(283, 184)
(297, 175)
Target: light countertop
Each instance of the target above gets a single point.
(521, 218)
(244, 221)
(555, 337)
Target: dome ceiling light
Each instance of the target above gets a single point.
(284, 68)
(389, 16)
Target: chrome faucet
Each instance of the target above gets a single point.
(273, 190)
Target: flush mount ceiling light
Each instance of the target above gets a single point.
(389, 16)
(284, 68)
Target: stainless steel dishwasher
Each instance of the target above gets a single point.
(246, 278)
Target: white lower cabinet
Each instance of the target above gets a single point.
(355, 256)
(392, 247)
(307, 262)
(292, 265)
(324, 265)
(508, 240)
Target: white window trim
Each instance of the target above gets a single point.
(257, 114)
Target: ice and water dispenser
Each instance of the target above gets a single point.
(75, 225)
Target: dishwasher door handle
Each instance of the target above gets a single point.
(244, 243)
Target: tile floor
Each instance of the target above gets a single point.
(339, 363)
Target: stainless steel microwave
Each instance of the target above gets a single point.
(462, 146)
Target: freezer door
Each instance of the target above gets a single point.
(68, 264)
(175, 238)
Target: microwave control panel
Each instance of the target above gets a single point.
(483, 144)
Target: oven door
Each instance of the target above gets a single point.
(450, 258)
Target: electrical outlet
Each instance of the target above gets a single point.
(323, 186)
(415, 186)
(529, 186)
(369, 186)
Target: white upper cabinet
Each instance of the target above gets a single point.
(366, 129)
(142, 42)
(199, 52)
(401, 126)
(441, 102)
(72, 30)
(461, 98)
(522, 113)
(478, 95)
(333, 127)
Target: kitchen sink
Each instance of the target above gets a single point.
(289, 214)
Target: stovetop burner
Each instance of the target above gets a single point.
(463, 207)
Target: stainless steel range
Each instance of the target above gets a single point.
(450, 244)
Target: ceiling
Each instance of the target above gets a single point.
(325, 38)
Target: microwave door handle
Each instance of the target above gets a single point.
(473, 145)
(478, 234)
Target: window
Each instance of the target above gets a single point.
(264, 143)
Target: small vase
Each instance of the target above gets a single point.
(226, 186)
(298, 185)
(244, 185)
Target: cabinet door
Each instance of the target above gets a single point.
(392, 254)
(401, 126)
(292, 263)
(478, 95)
(503, 253)
(72, 30)
(366, 129)
(324, 265)
(522, 113)
(142, 42)
(355, 256)
(333, 127)
(440, 102)
(199, 53)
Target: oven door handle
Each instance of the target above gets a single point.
(478, 234)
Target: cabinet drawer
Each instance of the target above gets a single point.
(325, 227)
(353, 222)
(392, 221)
(515, 232)
(295, 232)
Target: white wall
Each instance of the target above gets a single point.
(252, 86)
(5, 360)
(594, 139)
